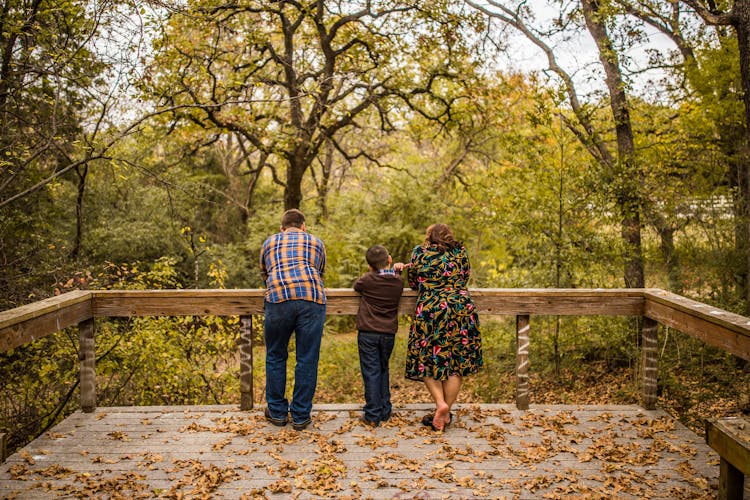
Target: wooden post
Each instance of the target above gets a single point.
(3, 447)
(246, 362)
(731, 481)
(650, 362)
(87, 357)
(522, 362)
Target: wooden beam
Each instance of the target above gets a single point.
(34, 321)
(714, 326)
(236, 302)
(126, 303)
(559, 301)
(730, 438)
(341, 301)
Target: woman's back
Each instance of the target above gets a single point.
(433, 270)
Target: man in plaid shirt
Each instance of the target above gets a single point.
(292, 263)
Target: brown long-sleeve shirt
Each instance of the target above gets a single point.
(378, 308)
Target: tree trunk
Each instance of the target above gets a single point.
(627, 175)
(323, 183)
(738, 181)
(82, 173)
(669, 252)
(741, 13)
(295, 172)
(739, 18)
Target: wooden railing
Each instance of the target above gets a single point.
(711, 325)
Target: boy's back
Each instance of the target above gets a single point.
(377, 324)
(378, 309)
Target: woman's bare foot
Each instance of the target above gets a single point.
(442, 417)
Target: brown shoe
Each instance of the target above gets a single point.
(279, 422)
(302, 425)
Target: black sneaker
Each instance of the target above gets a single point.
(280, 422)
(302, 425)
(427, 421)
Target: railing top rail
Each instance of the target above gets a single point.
(34, 321)
(496, 301)
(736, 322)
(712, 325)
(36, 309)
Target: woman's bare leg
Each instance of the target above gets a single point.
(442, 410)
(451, 388)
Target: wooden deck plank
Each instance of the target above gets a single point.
(490, 451)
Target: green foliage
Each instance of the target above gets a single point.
(697, 381)
(53, 101)
(168, 361)
(39, 379)
(334, 68)
(140, 361)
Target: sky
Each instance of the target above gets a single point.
(578, 56)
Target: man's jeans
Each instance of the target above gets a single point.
(374, 352)
(306, 320)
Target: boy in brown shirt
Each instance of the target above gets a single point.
(377, 324)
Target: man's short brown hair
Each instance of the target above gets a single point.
(292, 218)
(377, 257)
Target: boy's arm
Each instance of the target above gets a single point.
(358, 285)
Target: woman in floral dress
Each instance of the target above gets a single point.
(444, 341)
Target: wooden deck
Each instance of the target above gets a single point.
(490, 451)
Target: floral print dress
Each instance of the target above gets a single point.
(444, 337)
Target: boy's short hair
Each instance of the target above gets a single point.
(377, 257)
(292, 218)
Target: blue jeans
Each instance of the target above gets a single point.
(374, 353)
(305, 319)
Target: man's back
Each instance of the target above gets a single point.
(292, 265)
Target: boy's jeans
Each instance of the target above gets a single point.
(306, 320)
(374, 352)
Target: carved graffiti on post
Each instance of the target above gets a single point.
(650, 362)
(522, 362)
(246, 362)
(87, 357)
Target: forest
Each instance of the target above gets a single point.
(584, 144)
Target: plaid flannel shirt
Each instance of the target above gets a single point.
(292, 264)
